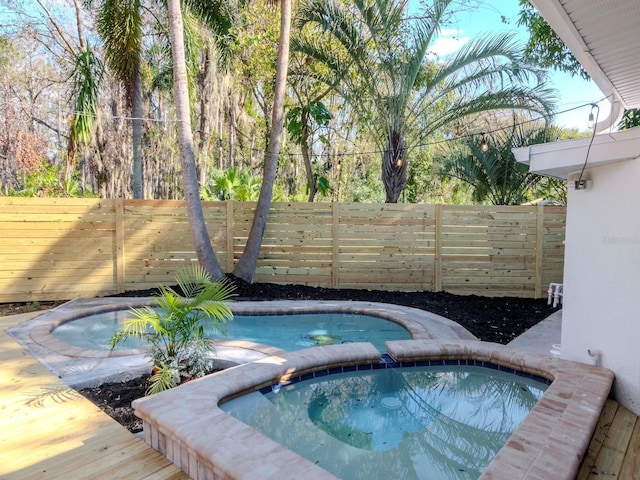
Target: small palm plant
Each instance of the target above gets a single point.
(175, 329)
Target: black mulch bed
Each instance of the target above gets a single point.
(492, 319)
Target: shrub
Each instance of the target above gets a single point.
(174, 329)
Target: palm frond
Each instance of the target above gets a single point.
(87, 78)
(425, 30)
(137, 325)
(495, 175)
(120, 26)
(163, 379)
(192, 279)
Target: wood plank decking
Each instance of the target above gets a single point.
(49, 431)
(614, 451)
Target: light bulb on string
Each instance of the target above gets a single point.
(484, 145)
(591, 123)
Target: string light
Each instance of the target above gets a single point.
(370, 152)
(484, 145)
(591, 123)
(581, 183)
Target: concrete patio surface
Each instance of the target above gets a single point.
(541, 337)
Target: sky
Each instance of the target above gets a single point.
(487, 18)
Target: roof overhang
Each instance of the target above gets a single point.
(602, 36)
(560, 159)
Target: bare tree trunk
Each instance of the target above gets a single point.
(206, 88)
(136, 137)
(201, 241)
(306, 156)
(246, 267)
(220, 141)
(230, 130)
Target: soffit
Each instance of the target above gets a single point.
(561, 159)
(603, 35)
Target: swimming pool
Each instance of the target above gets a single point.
(88, 367)
(288, 332)
(186, 425)
(444, 422)
(207, 442)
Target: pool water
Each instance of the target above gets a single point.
(288, 332)
(411, 423)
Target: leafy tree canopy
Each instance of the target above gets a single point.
(544, 47)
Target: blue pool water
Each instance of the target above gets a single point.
(287, 332)
(395, 423)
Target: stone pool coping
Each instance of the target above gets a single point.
(82, 368)
(186, 425)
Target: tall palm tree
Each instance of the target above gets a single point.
(246, 266)
(384, 67)
(489, 166)
(202, 243)
(120, 26)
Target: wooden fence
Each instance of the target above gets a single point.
(58, 248)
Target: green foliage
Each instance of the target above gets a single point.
(47, 181)
(221, 18)
(7, 50)
(119, 24)
(544, 47)
(630, 119)
(87, 77)
(295, 119)
(174, 330)
(426, 185)
(495, 175)
(552, 190)
(254, 44)
(157, 69)
(323, 184)
(380, 64)
(232, 184)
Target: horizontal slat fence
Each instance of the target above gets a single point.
(52, 249)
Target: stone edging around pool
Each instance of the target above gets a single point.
(81, 368)
(186, 425)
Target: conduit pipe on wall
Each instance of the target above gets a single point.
(595, 357)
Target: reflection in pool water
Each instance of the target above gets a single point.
(288, 332)
(410, 423)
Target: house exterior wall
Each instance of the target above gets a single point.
(601, 310)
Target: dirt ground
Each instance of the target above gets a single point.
(492, 319)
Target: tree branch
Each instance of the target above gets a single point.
(50, 127)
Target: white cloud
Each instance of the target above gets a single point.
(447, 44)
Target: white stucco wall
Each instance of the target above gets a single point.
(602, 276)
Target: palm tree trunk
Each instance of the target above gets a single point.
(246, 267)
(394, 167)
(201, 241)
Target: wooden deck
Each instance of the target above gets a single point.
(49, 431)
(614, 451)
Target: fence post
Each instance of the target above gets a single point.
(229, 235)
(335, 241)
(437, 258)
(539, 250)
(119, 247)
